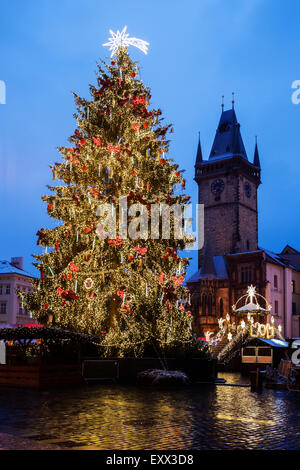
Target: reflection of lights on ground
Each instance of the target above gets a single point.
(246, 420)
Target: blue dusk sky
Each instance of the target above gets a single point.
(199, 51)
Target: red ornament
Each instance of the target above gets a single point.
(82, 142)
(94, 192)
(40, 236)
(115, 242)
(111, 148)
(135, 127)
(178, 280)
(84, 167)
(97, 141)
(120, 293)
(141, 251)
(46, 306)
(56, 246)
(86, 230)
(67, 295)
(50, 207)
(132, 74)
(73, 267)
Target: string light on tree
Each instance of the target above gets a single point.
(123, 289)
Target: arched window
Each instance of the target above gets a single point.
(210, 304)
(221, 307)
(204, 302)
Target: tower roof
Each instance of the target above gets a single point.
(228, 140)
(199, 158)
(256, 161)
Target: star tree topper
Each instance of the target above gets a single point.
(122, 39)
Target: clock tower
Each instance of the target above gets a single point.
(227, 186)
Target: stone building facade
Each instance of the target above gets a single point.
(231, 258)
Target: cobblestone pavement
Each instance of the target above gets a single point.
(121, 417)
(10, 442)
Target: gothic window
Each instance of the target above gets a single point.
(275, 281)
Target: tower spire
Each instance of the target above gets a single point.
(222, 105)
(256, 160)
(232, 100)
(199, 158)
(228, 139)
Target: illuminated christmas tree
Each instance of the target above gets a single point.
(95, 277)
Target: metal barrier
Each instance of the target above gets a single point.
(94, 370)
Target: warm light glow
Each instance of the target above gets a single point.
(251, 292)
(123, 291)
(122, 39)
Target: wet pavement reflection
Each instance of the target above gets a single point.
(107, 416)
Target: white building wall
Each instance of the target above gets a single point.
(284, 296)
(15, 281)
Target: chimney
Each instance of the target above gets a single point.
(17, 262)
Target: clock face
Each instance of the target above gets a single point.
(217, 186)
(247, 189)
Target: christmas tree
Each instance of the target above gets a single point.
(101, 271)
